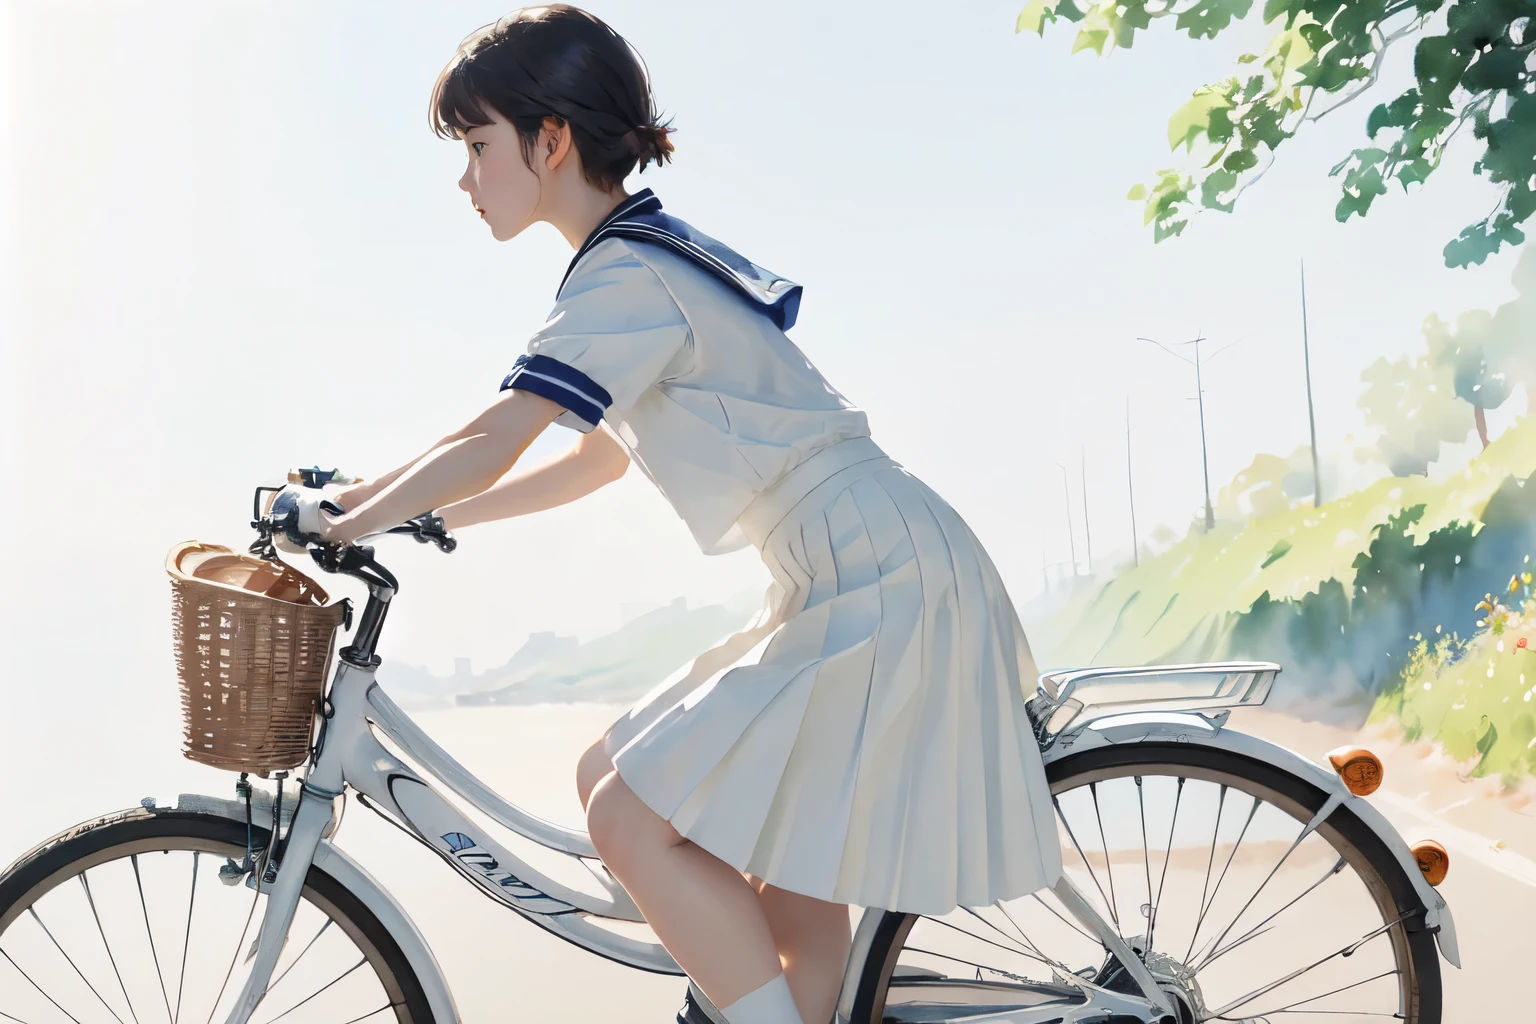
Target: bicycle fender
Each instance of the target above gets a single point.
(1201, 730)
(340, 865)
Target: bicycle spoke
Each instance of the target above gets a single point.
(1063, 920)
(6, 1016)
(1221, 805)
(1109, 867)
(1342, 988)
(1079, 848)
(375, 1013)
(1345, 951)
(71, 962)
(1330, 873)
(239, 944)
(1284, 857)
(1167, 856)
(971, 963)
(296, 959)
(1146, 856)
(85, 883)
(1023, 939)
(322, 988)
(139, 881)
(1007, 949)
(39, 988)
(186, 941)
(1226, 867)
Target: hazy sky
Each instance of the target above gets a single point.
(235, 247)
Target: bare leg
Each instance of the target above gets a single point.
(594, 764)
(703, 910)
(813, 938)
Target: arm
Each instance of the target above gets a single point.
(355, 495)
(596, 460)
(462, 465)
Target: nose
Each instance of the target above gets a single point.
(464, 181)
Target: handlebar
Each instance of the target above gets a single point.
(355, 558)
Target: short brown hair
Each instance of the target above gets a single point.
(559, 62)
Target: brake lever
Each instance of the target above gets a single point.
(430, 528)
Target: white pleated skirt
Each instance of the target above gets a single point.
(865, 741)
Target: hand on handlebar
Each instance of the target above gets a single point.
(300, 517)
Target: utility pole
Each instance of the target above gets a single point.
(1071, 536)
(1130, 483)
(1087, 528)
(1306, 353)
(1205, 460)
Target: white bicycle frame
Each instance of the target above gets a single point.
(350, 754)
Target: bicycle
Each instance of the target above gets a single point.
(1084, 951)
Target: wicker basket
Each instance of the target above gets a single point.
(253, 644)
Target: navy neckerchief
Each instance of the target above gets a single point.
(640, 218)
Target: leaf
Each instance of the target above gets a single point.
(1280, 550)
(1033, 17)
(1208, 17)
(1137, 192)
(1193, 119)
(1215, 185)
(1240, 160)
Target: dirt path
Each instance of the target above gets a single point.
(1491, 837)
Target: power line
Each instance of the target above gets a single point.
(1205, 461)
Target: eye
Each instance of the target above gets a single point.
(476, 147)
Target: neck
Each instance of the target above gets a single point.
(581, 212)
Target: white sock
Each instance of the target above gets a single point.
(767, 1004)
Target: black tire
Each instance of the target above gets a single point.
(147, 829)
(1384, 877)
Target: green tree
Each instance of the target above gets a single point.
(1470, 70)
(1476, 380)
(1412, 401)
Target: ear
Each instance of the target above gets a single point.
(555, 143)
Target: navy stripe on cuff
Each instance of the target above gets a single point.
(561, 383)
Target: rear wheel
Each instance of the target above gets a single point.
(125, 918)
(1201, 860)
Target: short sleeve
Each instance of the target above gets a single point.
(614, 332)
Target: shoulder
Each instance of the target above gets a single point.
(617, 274)
(612, 261)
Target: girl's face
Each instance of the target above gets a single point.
(504, 190)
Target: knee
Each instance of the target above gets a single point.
(594, 764)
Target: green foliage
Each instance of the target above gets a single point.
(1412, 401)
(1476, 697)
(1279, 551)
(1204, 590)
(1324, 54)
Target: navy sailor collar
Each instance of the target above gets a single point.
(640, 218)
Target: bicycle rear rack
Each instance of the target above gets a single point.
(1058, 706)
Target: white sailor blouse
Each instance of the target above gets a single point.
(678, 343)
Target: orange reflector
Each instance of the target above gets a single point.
(1432, 859)
(1359, 768)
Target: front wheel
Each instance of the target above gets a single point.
(1201, 860)
(130, 917)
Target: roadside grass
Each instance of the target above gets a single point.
(1182, 603)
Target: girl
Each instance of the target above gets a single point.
(865, 742)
